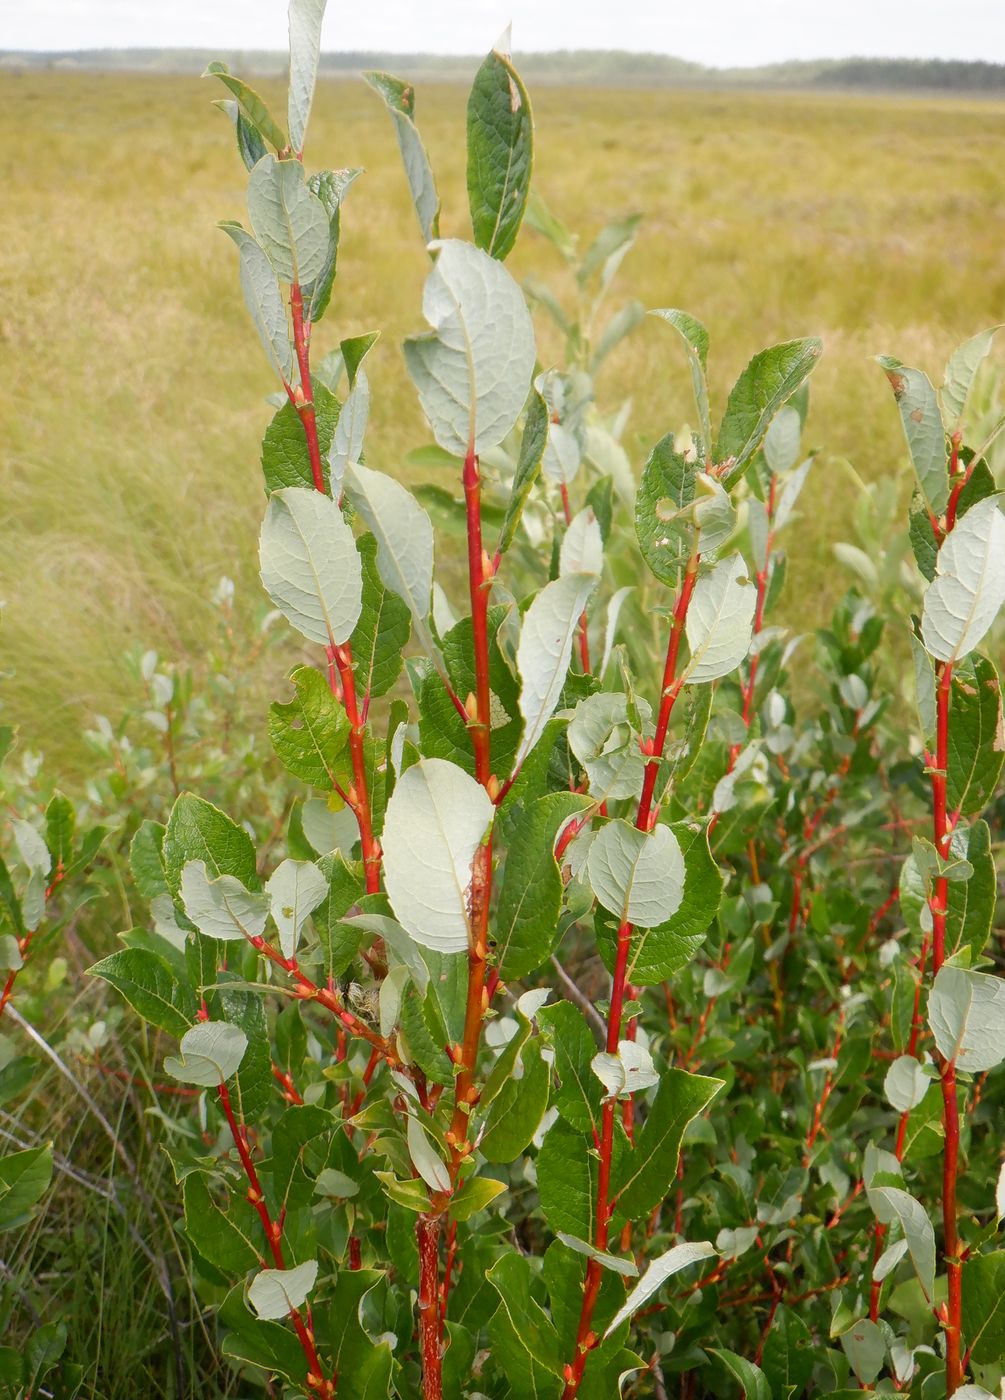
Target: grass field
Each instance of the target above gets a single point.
(132, 397)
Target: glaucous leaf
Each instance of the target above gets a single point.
(637, 876)
(969, 586)
(545, 650)
(771, 377)
(221, 907)
(966, 1011)
(399, 98)
(435, 822)
(305, 44)
(680, 1256)
(961, 371)
(695, 339)
(208, 1055)
(720, 621)
(275, 1293)
(289, 221)
(310, 566)
(295, 888)
(474, 370)
(923, 429)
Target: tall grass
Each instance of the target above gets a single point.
(128, 472)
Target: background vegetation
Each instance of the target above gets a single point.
(128, 460)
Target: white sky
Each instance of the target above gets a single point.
(721, 32)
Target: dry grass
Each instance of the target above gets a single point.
(131, 402)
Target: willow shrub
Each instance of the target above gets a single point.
(610, 1024)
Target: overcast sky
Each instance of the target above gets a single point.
(721, 32)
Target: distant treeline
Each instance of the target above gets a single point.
(576, 67)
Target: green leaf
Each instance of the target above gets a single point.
(400, 100)
(648, 1172)
(966, 1011)
(680, 1256)
(752, 1379)
(211, 1231)
(442, 731)
(264, 301)
(345, 888)
(197, 830)
(771, 377)
(310, 733)
(922, 421)
(515, 1115)
(620, 325)
(530, 897)
(310, 565)
(500, 154)
(473, 372)
(788, 1355)
(720, 621)
(24, 1179)
(268, 1345)
(209, 1054)
(664, 522)
(251, 105)
(298, 1127)
(971, 903)
(289, 221)
(150, 987)
(984, 1307)
(382, 632)
(146, 859)
(60, 828)
(657, 953)
(436, 819)
(578, 1092)
(364, 1364)
(695, 339)
(567, 1181)
(525, 1343)
(637, 876)
(285, 459)
(976, 739)
(305, 44)
(969, 586)
(476, 1194)
(528, 468)
(331, 187)
(608, 248)
(276, 1292)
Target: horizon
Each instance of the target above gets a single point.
(723, 34)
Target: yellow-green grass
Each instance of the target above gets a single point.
(132, 392)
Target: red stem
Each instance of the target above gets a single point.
(586, 1339)
(427, 1231)
(316, 1382)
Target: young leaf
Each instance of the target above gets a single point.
(310, 565)
(770, 378)
(276, 1292)
(290, 222)
(305, 44)
(695, 339)
(926, 437)
(474, 370)
(435, 822)
(532, 445)
(221, 908)
(681, 1256)
(310, 733)
(961, 371)
(637, 876)
(209, 1054)
(296, 888)
(720, 621)
(969, 586)
(500, 154)
(252, 106)
(400, 100)
(966, 1011)
(545, 650)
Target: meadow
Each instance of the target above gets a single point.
(128, 460)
